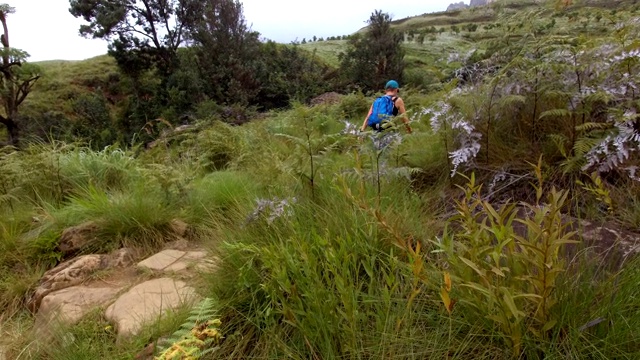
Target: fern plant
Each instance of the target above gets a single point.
(311, 147)
(197, 337)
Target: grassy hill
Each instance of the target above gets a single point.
(456, 241)
(440, 41)
(63, 80)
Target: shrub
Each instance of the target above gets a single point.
(354, 106)
(504, 278)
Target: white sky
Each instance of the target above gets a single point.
(47, 31)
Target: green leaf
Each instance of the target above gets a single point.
(549, 325)
(472, 265)
(508, 300)
(555, 113)
(497, 272)
(477, 288)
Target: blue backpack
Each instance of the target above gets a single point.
(382, 110)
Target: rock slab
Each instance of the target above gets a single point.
(146, 302)
(70, 273)
(175, 261)
(76, 271)
(72, 303)
(162, 260)
(69, 305)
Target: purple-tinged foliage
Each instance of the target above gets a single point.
(272, 209)
(469, 145)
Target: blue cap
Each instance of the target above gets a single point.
(392, 84)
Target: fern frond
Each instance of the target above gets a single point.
(573, 164)
(555, 113)
(599, 96)
(591, 126)
(584, 144)
(294, 139)
(200, 318)
(560, 141)
(558, 94)
(513, 100)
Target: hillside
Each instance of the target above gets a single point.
(504, 226)
(430, 39)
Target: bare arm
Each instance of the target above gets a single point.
(364, 124)
(403, 112)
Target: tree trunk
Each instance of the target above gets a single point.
(9, 89)
(12, 130)
(13, 88)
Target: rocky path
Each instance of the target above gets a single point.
(133, 294)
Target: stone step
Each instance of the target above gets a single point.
(146, 302)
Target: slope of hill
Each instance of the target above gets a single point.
(504, 227)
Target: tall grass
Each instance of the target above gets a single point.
(139, 216)
(331, 281)
(321, 281)
(218, 194)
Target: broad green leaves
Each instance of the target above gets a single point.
(508, 276)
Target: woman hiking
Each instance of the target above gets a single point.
(384, 108)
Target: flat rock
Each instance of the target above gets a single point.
(146, 302)
(75, 271)
(69, 273)
(162, 260)
(174, 261)
(69, 305)
(191, 258)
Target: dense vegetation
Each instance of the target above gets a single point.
(461, 240)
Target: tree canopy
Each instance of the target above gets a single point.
(376, 56)
(151, 29)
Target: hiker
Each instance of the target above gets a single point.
(385, 108)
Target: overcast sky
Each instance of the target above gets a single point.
(47, 31)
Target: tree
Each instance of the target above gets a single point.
(227, 52)
(16, 81)
(144, 36)
(140, 32)
(375, 57)
(288, 73)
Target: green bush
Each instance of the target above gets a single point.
(354, 106)
(420, 78)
